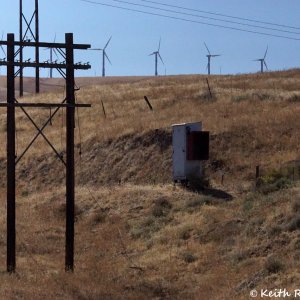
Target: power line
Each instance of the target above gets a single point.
(190, 21)
(221, 15)
(205, 17)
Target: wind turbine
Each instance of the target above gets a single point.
(104, 56)
(263, 61)
(52, 50)
(209, 56)
(3, 49)
(157, 55)
(2, 46)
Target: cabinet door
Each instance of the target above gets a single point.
(197, 145)
(179, 152)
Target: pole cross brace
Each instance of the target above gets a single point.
(40, 130)
(29, 25)
(42, 134)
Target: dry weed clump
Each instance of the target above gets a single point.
(274, 265)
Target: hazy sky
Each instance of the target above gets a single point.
(136, 35)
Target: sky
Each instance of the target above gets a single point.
(136, 35)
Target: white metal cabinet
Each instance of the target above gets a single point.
(182, 167)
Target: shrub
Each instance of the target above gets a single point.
(148, 226)
(189, 257)
(161, 208)
(144, 228)
(297, 245)
(247, 205)
(262, 96)
(99, 216)
(296, 206)
(273, 265)
(272, 182)
(25, 194)
(274, 231)
(294, 98)
(185, 233)
(240, 98)
(294, 224)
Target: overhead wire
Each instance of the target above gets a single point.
(205, 17)
(80, 155)
(79, 129)
(17, 140)
(25, 247)
(221, 15)
(190, 20)
(62, 129)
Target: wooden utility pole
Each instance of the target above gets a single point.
(70, 179)
(11, 167)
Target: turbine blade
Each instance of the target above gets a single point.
(266, 52)
(161, 58)
(2, 46)
(96, 49)
(55, 52)
(107, 57)
(159, 44)
(207, 48)
(152, 54)
(107, 43)
(215, 55)
(3, 51)
(266, 65)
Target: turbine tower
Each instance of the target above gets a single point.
(209, 56)
(104, 56)
(157, 55)
(263, 61)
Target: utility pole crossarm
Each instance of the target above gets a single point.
(44, 105)
(46, 65)
(47, 45)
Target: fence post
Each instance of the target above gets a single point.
(103, 108)
(148, 102)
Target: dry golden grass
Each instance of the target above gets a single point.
(126, 249)
(250, 117)
(137, 236)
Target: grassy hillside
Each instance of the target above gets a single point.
(138, 236)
